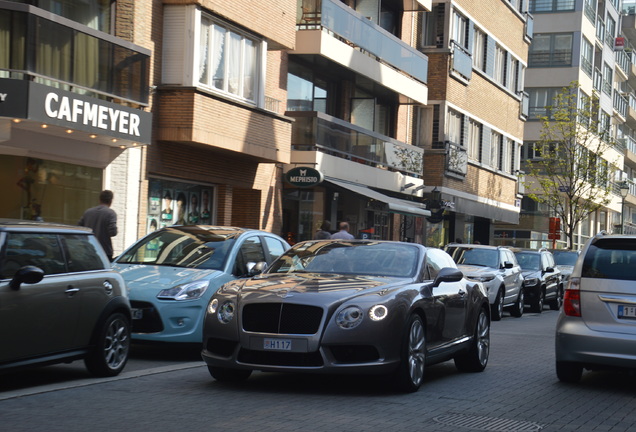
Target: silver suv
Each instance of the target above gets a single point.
(60, 299)
(497, 268)
(596, 327)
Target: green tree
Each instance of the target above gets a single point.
(571, 171)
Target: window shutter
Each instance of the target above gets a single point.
(471, 36)
(465, 139)
(490, 57)
(484, 156)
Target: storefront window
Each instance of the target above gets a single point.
(45, 190)
(177, 203)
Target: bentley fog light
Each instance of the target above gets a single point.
(226, 312)
(349, 317)
(378, 312)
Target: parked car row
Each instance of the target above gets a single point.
(328, 306)
(515, 278)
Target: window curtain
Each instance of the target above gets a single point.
(234, 64)
(218, 59)
(204, 49)
(86, 64)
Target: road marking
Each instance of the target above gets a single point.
(92, 381)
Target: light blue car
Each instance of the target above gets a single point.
(172, 273)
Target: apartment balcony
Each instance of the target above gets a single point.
(628, 20)
(623, 65)
(629, 151)
(58, 52)
(620, 104)
(340, 34)
(318, 132)
(631, 111)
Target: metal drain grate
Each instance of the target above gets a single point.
(487, 423)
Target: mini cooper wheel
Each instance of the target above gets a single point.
(497, 307)
(476, 358)
(569, 372)
(110, 353)
(517, 308)
(410, 373)
(229, 375)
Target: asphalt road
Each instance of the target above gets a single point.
(168, 389)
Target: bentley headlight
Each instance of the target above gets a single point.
(378, 312)
(226, 311)
(188, 291)
(349, 317)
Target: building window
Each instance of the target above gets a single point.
(229, 59)
(500, 65)
(607, 79)
(455, 127)
(538, 6)
(587, 57)
(460, 30)
(474, 140)
(610, 30)
(495, 149)
(550, 49)
(515, 72)
(540, 100)
(479, 50)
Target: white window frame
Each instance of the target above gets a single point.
(247, 87)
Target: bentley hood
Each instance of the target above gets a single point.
(310, 288)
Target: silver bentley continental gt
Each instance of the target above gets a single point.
(349, 306)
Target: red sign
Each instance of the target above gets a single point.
(555, 228)
(619, 44)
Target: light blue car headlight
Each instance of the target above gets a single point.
(188, 291)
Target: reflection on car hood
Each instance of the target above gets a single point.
(473, 270)
(314, 288)
(530, 273)
(139, 276)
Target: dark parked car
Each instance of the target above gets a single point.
(349, 307)
(60, 299)
(596, 328)
(172, 273)
(542, 279)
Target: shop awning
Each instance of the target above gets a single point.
(395, 205)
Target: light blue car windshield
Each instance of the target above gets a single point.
(195, 249)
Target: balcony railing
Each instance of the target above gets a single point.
(348, 24)
(623, 61)
(315, 131)
(590, 13)
(620, 104)
(630, 144)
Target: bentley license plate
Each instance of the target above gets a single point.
(277, 344)
(627, 312)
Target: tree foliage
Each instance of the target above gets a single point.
(570, 171)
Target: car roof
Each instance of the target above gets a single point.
(476, 246)
(36, 226)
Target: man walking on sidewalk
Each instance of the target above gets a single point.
(103, 220)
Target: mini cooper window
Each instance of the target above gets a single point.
(40, 250)
(82, 252)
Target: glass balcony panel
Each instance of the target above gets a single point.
(315, 131)
(364, 33)
(66, 58)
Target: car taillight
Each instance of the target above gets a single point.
(572, 298)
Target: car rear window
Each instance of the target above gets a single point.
(610, 259)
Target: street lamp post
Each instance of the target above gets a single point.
(624, 192)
